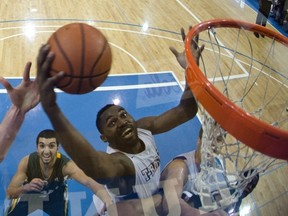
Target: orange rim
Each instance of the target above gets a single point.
(246, 128)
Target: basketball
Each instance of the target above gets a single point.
(84, 54)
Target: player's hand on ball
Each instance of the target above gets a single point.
(45, 82)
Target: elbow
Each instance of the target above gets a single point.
(14, 193)
(9, 194)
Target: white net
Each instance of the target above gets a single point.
(252, 73)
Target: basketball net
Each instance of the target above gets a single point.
(242, 101)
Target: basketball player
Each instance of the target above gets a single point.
(185, 168)
(24, 98)
(131, 166)
(40, 181)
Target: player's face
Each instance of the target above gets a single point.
(119, 127)
(47, 149)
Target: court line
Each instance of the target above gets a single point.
(134, 32)
(89, 20)
(199, 21)
(129, 54)
(122, 87)
(121, 30)
(99, 27)
(102, 28)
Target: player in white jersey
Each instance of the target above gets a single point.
(184, 168)
(147, 167)
(117, 128)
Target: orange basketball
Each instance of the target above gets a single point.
(84, 54)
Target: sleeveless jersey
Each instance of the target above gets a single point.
(192, 168)
(52, 199)
(147, 165)
(34, 169)
(219, 189)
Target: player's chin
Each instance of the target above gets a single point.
(46, 160)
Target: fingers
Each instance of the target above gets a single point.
(44, 50)
(6, 84)
(26, 74)
(37, 184)
(44, 61)
(195, 42)
(55, 78)
(183, 35)
(201, 49)
(174, 51)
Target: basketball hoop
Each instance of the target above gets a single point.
(241, 86)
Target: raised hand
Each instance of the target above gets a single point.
(196, 50)
(45, 82)
(26, 95)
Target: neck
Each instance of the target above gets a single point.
(50, 164)
(46, 169)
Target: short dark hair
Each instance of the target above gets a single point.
(47, 133)
(100, 112)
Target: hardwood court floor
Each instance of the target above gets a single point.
(140, 33)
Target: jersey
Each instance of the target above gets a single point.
(188, 189)
(192, 169)
(52, 199)
(147, 166)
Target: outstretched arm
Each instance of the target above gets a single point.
(186, 109)
(94, 163)
(24, 97)
(74, 172)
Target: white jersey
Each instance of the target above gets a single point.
(217, 187)
(147, 165)
(192, 169)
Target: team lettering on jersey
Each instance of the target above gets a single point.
(150, 170)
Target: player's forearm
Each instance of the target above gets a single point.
(15, 192)
(188, 104)
(104, 196)
(9, 129)
(76, 146)
(100, 191)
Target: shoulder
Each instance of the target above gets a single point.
(146, 123)
(63, 157)
(33, 155)
(63, 160)
(124, 163)
(70, 169)
(144, 131)
(23, 164)
(120, 157)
